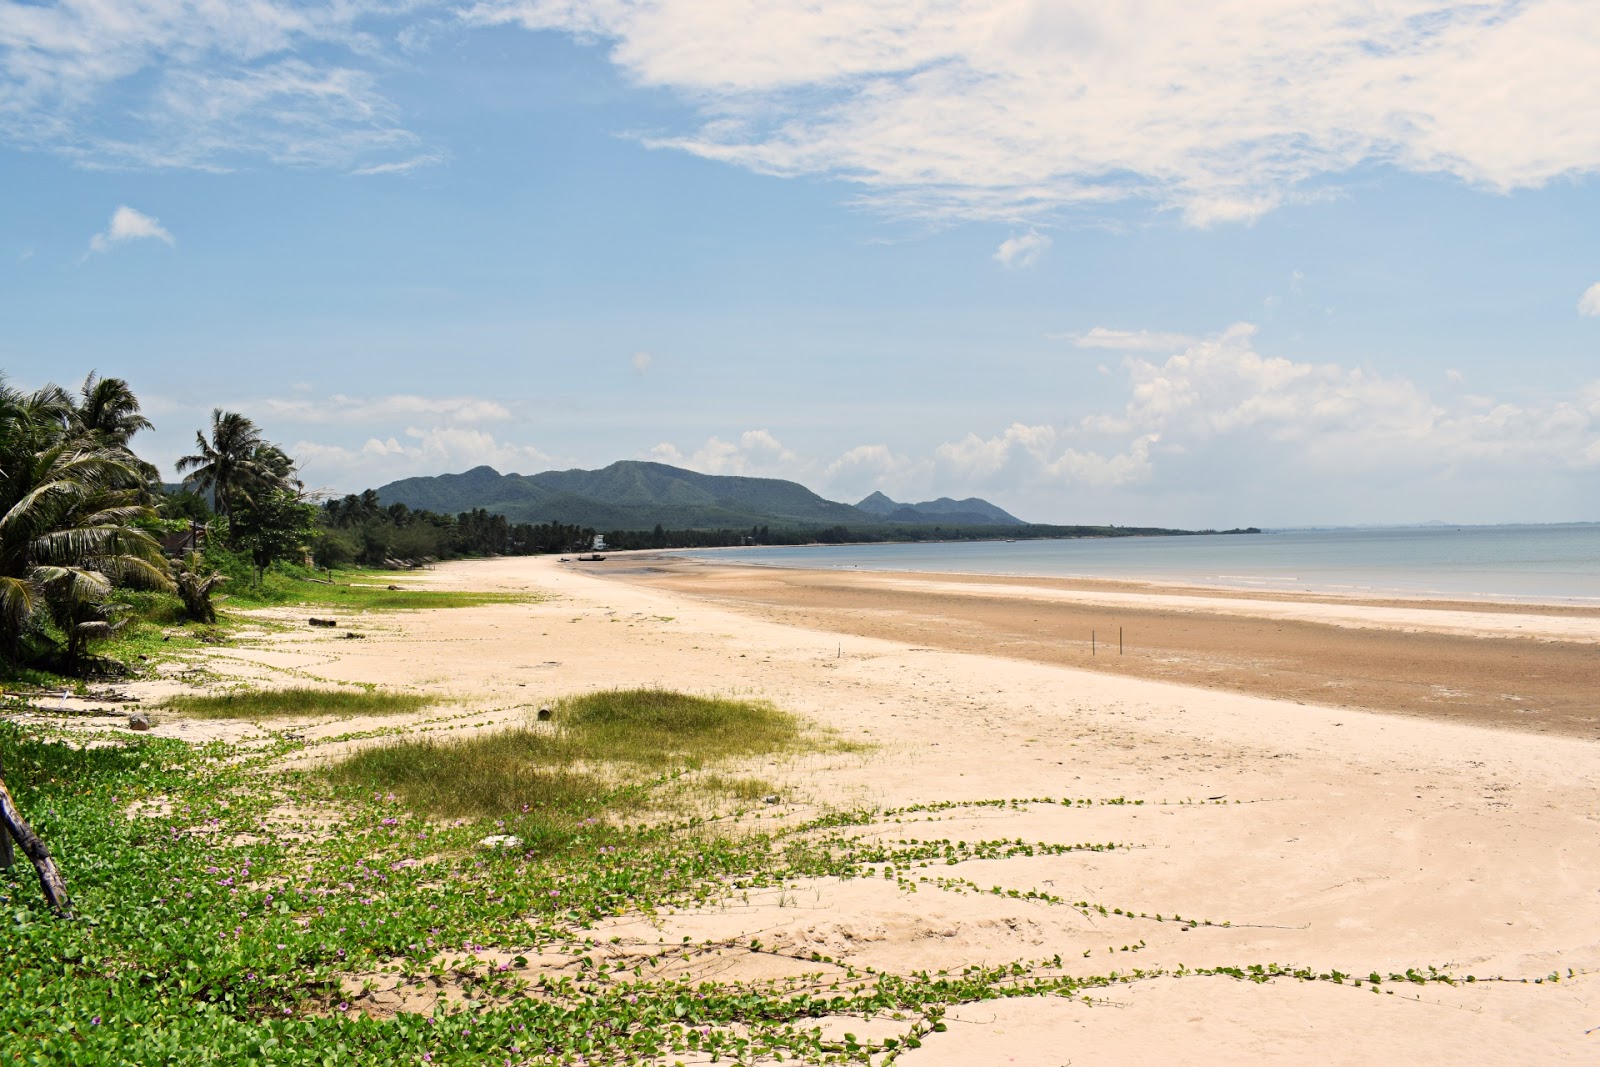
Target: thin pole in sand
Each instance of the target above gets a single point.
(1091, 642)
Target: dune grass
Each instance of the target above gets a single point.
(296, 701)
(599, 754)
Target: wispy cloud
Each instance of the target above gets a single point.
(1019, 253)
(1127, 340)
(1004, 110)
(206, 86)
(345, 410)
(129, 224)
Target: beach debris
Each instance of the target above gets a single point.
(501, 841)
(294, 737)
(770, 798)
(544, 714)
(394, 589)
(351, 635)
(322, 622)
(14, 828)
(139, 721)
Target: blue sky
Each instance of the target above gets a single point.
(1282, 263)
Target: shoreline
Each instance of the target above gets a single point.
(1487, 602)
(1522, 667)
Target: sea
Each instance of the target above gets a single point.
(1546, 563)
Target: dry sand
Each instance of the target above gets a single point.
(1360, 841)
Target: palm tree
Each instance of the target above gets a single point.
(66, 513)
(233, 464)
(195, 583)
(107, 411)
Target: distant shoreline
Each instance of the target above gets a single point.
(1556, 566)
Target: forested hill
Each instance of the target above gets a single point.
(633, 495)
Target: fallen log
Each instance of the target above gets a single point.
(14, 826)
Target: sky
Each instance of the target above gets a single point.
(1254, 262)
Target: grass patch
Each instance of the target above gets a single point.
(279, 589)
(493, 774)
(297, 701)
(658, 728)
(591, 761)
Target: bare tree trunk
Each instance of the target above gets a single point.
(55, 890)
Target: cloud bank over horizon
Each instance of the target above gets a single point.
(1263, 426)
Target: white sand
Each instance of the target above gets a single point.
(1364, 842)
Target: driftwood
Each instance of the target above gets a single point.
(55, 890)
(322, 622)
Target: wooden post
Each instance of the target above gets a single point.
(1091, 642)
(55, 890)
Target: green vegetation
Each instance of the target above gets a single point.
(69, 512)
(214, 930)
(295, 701)
(588, 760)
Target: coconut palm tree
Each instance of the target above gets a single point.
(232, 464)
(107, 411)
(66, 513)
(195, 583)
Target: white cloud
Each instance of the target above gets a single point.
(342, 409)
(1019, 253)
(756, 454)
(1008, 109)
(641, 362)
(201, 85)
(1589, 302)
(128, 224)
(1234, 415)
(1128, 340)
(1333, 418)
(419, 451)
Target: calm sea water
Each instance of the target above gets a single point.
(1549, 563)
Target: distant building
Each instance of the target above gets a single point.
(181, 543)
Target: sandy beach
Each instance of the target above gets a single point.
(1334, 785)
(1521, 666)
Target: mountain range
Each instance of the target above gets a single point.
(969, 512)
(636, 495)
